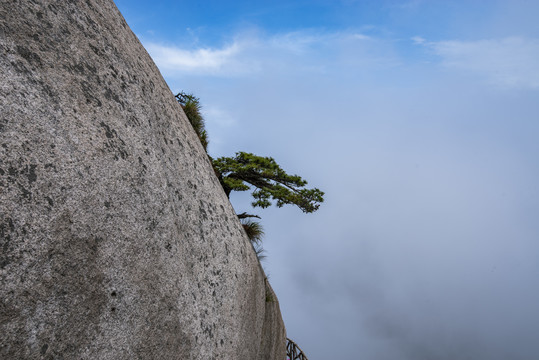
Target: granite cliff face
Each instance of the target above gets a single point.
(117, 241)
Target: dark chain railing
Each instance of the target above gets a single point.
(293, 352)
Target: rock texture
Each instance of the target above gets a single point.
(117, 241)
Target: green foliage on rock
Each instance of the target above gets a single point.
(191, 107)
(255, 233)
(270, 181)
(253, 229)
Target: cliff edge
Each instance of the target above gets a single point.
(117, 241)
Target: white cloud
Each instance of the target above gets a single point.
(220, 117)
(508, 62)
(300, 51)
(418, 40)
(295, 42)
(205, 60)
(359, 36)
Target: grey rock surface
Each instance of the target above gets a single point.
(117, 241)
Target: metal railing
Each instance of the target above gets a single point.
(293, 352)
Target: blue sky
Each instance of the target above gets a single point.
(419, 119)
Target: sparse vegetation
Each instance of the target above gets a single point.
(255, 233)
(245, 171)
(191, 108)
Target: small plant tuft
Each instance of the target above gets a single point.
(191, 107)
(255, 233)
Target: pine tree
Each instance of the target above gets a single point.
(269, 180)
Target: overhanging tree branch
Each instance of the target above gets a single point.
(271, 183)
